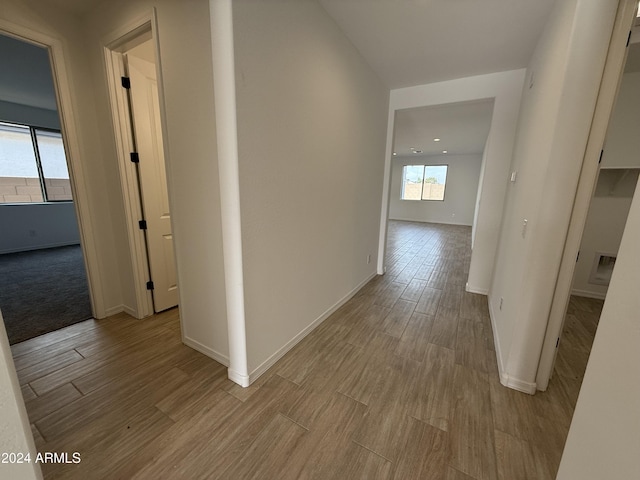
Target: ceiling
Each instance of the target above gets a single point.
(415, 42)
(79, 7)
(462, 128)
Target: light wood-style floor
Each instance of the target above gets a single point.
(401, 382)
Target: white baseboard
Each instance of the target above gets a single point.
(38, 247)
(472, 289)
(130, 311)
(588, 294)
(496, 340)
(118, 309)
(242, 380)
(430, 221)
(506, 379)
(520, 385)
(209, 352)
(269, 362)
(114, 310)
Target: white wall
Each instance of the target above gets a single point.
(39, 225)
(604, 438)
(27, 115)
(458, 207)
(602, 234)
(608, 213)
(563, 79)
(476, 208)
(622, 148)
(506, 89)
(29, 227)
(186, 70)
(311, 131)
(15, 432)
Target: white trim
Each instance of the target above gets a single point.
(114, 310)
(209, 352)
(221, 18)
(77, 174)
(588, 294)
(496, 340)
(609, 85)
(505, 88)
(119, 309)
(472, 289)
(242, 380)
(505, 379)
(114, 69)
(129, 310)
(516, 384)
(269, 362)
(386, 191)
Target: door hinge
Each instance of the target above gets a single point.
(126, 82)
(601, 153)
(149, 285)
(578, 256)
(557, 342)
(135, 158)
(628, 38)
(142, 224)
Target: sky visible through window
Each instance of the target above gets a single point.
(439, 172)
(417, 173)
(17, 158)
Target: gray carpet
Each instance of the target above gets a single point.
(42, 291)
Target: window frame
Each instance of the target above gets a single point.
(36, 152)
(424, 167)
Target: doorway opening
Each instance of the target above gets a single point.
(135, 86)
(44, 285)
(436, 167)
(601, 210)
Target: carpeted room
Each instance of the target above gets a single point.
(42, 291)
(43, 284)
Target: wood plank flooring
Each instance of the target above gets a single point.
(401, 382)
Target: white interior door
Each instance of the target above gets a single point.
(153, 180)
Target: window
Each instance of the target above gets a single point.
(423, 182)
(33, 166)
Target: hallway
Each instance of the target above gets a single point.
(401, 382)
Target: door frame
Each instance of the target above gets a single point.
(505, 89)
(113, 47)
(612, 76)
(77, 172)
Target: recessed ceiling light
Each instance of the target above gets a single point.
(394, 153)
(436, 139)
(444, 151)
